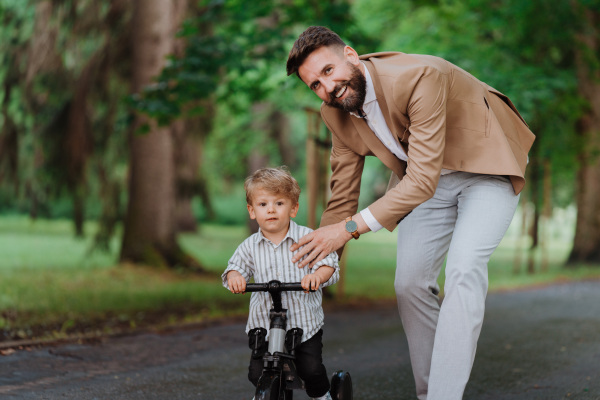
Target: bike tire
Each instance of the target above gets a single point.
(341, 386)
(268, 387)
(287, 394)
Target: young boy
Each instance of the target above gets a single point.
(272, 196)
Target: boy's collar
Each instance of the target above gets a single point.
(293, 233)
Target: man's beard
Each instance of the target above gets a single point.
(356, 98)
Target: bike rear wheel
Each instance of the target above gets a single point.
(341, 386)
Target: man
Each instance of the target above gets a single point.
(457, 149)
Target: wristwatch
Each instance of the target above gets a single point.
(352, 228)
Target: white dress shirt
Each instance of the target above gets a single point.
(376, 121)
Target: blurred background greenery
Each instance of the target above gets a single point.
(127, 128)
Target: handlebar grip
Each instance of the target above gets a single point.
(296, 286)
(257, 287)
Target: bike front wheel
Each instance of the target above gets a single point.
(287, 394)
(268, 387)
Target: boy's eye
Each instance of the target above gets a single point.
(262, 204)
(280, 203)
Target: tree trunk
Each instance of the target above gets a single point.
(312, 166)
(186, 154)
(586, 245)
(186, 170)
(546, 216)
(150, 235)
(189, 137)
(534, 227)
(280, 133)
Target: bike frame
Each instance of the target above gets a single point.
(279, 373)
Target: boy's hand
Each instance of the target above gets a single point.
(236, 282)
(311, 282)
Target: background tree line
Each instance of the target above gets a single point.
(143, 114)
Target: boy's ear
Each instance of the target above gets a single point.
(251, 211)
(294, 210)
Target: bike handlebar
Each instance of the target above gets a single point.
(274, 286)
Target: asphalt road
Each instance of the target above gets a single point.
(535, 344)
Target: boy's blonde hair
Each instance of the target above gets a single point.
(274, 180)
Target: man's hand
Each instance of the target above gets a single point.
(311, 282)
(236, 282)
(318, 244)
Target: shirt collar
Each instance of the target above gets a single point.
(370, 94)
(292, 233)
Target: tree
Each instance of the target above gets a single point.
(235, 56)
(586, 246)
(62, 61)
(150, 232)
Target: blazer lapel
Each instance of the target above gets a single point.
(368, 136)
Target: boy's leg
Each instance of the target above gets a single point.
(255, 370)
(309, 364)
(259, 347)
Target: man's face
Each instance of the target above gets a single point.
(335, 77)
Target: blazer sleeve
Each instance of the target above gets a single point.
(346, 172)
(426, 108)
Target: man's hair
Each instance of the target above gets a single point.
(310, 40)
(274, 180)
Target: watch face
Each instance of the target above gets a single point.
(351, 226)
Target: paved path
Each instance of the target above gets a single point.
(535, 344)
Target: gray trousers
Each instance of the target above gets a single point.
(464, 221)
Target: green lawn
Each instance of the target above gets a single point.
(52, 285)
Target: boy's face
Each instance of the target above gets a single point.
(271, 211)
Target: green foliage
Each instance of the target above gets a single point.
(524, 49)
(235, 57)
(235, 54)
(69, 51)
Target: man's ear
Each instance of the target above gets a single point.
(251, 211)
(351, 55)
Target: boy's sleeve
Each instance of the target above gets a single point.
(242, 262)
(331, 261)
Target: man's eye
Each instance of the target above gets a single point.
(328, 70)
(315, 86)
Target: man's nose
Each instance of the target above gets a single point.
(329, 85)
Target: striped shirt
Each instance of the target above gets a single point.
(260, 258)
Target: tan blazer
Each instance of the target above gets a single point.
(442, 116)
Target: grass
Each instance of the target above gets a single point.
(52, 286)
